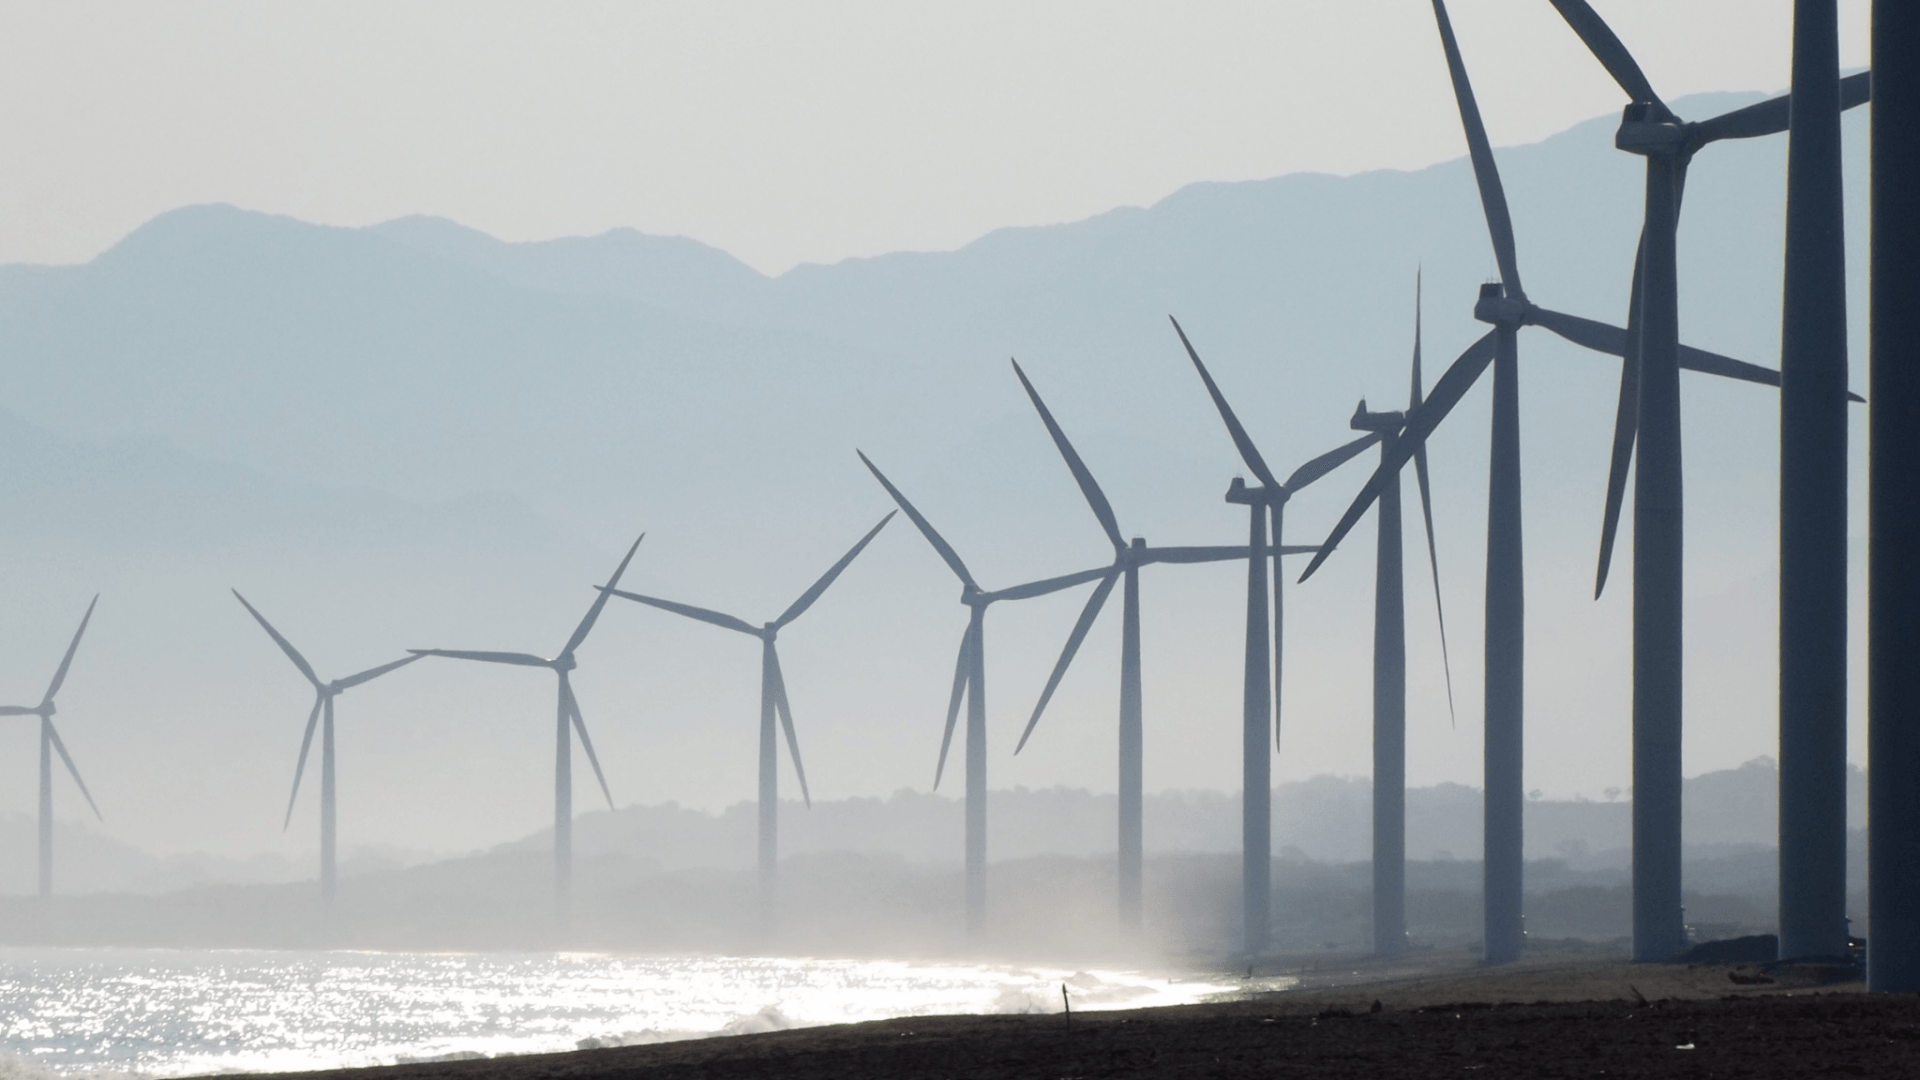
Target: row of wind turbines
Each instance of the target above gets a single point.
(1647, 422)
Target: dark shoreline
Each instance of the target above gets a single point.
(1538, 1020)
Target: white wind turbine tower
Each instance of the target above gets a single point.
(570, 721)
(50, 742)
(323, 695)
(773, 700)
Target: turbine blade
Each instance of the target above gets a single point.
(1626, 426)
(704, 615)
(520, 658)
(1606, 48)
(599, 602)
(1241, 441)
(1219, 553)
(961, 667)
(1586, 333)
(926, 528)
(786, 722)
(1625, 430)
(586, 741)
(1453, 386)
(1680, 167)
(1611, 340)
(1087, 615)
(1692, 359)
(1329, 461)
(1433, 563)
(300, 767)
(60, 675)
(286, 646)
(806, 600)
(1277, 614)
(1096, 498)
(1767, 117)
(71, 768)
(371, 674)
(1192, 554)
(1770, 117)
(1418, 392)
(18, 710)
(1493, 199)
(1856, 90)
(1049, 585)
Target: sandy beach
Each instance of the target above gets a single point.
(1425, 1016)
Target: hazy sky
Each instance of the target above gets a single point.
(782, 133)
(786, 134)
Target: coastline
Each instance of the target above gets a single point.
(1417, 1017)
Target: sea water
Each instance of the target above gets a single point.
(162, 1012)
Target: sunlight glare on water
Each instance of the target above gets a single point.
(184, 1012)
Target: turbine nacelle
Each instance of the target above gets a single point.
(563, 663)
(1650, 131)
(1241, 494)
(1387, 422)
(1499, 309)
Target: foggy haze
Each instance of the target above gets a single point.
(412, 435)
(880, 877)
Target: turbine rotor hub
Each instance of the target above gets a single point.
(564, 663)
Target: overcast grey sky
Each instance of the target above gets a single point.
(782, 133)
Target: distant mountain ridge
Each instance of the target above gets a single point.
(172, 331)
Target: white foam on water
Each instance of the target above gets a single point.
(67, 1014)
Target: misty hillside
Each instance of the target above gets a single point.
(414, 435)
(667, 879)
(881, 877)
(1326, 820)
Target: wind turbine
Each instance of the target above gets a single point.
(773, 698)
(323, 695)
(1893, 514)
(1390, 667)
(49, 742)
(569, 720)
(1264, 503)
(1505, 305)
(1813, 602)
(970, 681)
(1127, 561)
